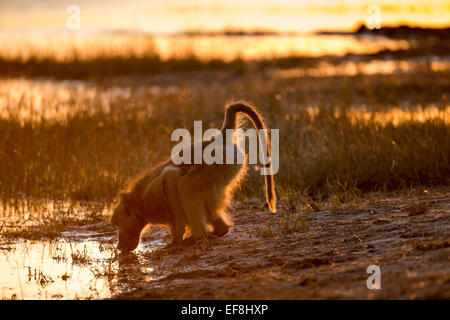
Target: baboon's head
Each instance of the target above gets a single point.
(129, 222)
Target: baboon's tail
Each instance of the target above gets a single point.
(230, 121)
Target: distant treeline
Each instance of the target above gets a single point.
(400, 32)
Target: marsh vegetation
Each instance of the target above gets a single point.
(353, 132)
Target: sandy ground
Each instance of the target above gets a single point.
(407, 236)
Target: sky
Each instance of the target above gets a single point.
(170, 16)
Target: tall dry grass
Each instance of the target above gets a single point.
(328, 143)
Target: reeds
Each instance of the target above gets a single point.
(327, 143)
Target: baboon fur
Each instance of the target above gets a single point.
(187, 196)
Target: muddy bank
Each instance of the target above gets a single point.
(316, 251)
(314, 255)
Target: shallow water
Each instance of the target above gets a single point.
(80, 265)
(203, 47)
(61, 250)
(373, 67)
(49, 270)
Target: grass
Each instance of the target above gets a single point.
(99, 67)
(80, 257)
(98, 58)
(416, 208)
(91, 151)
(106, 64)
(119, 65)
(41, 279)
(109, 66)
(43, 221)
(284, 224)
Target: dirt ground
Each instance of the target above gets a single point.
(407, 236)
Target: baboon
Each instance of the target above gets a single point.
(192, 196)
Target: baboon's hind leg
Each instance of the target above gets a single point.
(204, 193)
(220, 227)
(217, 202)
(177, 227)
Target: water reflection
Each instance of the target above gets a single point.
(66, 269)
(203, 47)
(53, 270)
(394, 116)
(353, 68)
(76, 260)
